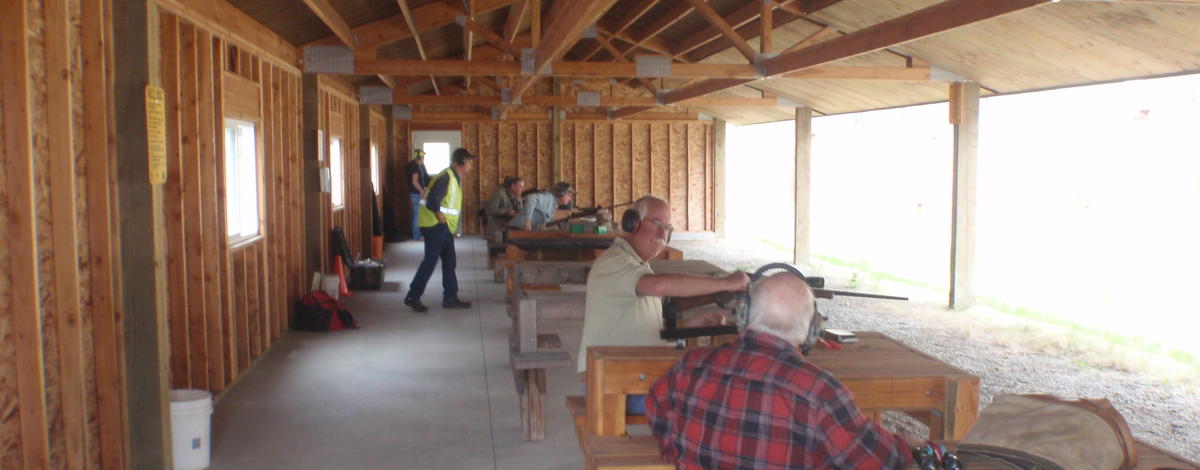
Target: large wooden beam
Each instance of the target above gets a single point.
(394, 28)
(604, 42)
(939, 18)
(442, 67)
(142, 246)
(764, 40)
(567, 21)
(333, 20)
(223, 18)
(468, 40)
(726, 30)
(925, 22)
(964, 115)
(802, 187)
(572, 100)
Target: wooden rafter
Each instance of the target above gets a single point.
(445, 67)
(567, 20)
(726, 30)
(512, 23)
(811, 39)
(621, 58)
(629, 111)
(535, 21)
(747, 22)
(921, 23)
(764, 19)
(468, 39)
(408, 19)
(333, 20)
(426, 17)
(630, 17)
(490, 36)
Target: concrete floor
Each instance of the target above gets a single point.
(406, 391)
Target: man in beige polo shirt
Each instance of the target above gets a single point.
(624, 296)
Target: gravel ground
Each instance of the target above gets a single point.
(1009, 356)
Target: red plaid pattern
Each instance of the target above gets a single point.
(757, 404)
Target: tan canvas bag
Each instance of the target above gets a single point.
(1046, 432)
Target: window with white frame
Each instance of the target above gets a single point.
(437, 156)
(336, 174)
(241, 180)
(375, 168)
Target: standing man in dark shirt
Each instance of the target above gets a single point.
(438, 218)
(417, 178)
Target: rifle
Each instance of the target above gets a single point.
(587, 212)
(735, 302)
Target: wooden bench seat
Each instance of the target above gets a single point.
(577, 406)
(624, 453)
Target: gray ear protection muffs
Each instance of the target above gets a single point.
(742, 311)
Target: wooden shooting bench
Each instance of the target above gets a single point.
(882, 373)
(552, 275)
(616, 371)
(531, 353)
(560, 246)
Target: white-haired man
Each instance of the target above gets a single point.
(624, 296)
(757, 403)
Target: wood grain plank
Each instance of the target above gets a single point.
(240, 305)
(622, 162)
(659, 158)
(640, 138)
(584, 163)
(213, 237)
(193, 207)
(173, 204)
(697, 150)
(65, 264)
(545, 163)
(678, 191)
(108, 338)
(604, 165)
(23, 264)
(228, 333)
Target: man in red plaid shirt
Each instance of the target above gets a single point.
(756, 403)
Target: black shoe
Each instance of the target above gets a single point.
(416, 305)
(455, 304)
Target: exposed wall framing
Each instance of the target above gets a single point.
(229, 303)
(61, 378)
(609, 162)
(339, 117)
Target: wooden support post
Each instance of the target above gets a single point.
(366, 194)
(964, 114)
(802, 186)
(719, 177)
(556, 131)
(313, 236)
(142, 245)
(389, 175)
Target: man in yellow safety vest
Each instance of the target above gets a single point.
(438, 219)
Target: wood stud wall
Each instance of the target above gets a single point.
(609, 162)
(228, 303)
(62, 349)
(339, 117)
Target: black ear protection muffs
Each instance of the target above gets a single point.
(630, 220)
(815, 327)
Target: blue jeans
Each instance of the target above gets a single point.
(439, 243)
(416, 207)
(634, 404)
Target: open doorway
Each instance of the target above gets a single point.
(437, 146)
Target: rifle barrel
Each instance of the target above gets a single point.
(832, 293)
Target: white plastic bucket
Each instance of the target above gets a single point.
(191, 413)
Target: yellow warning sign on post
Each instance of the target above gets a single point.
(156, 133)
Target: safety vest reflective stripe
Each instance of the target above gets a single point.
(445, 210)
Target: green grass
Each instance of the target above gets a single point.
(1112, 339)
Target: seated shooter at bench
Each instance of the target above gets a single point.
(624, 296)
(757, 403)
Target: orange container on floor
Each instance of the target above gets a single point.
(377, 247)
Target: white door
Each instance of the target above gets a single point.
(437, 145)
